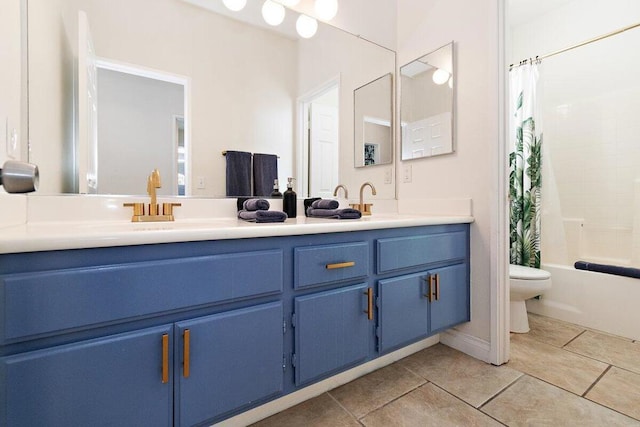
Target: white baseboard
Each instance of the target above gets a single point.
(468, 344)
(286, 402)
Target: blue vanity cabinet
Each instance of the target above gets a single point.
(450, 297)
(191, 333)
(415, 305)
(332, 331)
(228, 361)
(122, 379)
(403, 311)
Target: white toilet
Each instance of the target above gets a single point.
(526, 282)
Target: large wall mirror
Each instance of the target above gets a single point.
(139, 84)
(373, 113)
(427, 104)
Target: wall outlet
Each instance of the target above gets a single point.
(200, 184)
(388, 176)
(406, 173)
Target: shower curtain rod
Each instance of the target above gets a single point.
(595, 39)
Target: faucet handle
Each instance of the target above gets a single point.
(167, 208)
(138, 208)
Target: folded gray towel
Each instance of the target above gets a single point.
(262, 216)
(346, 213)
(256, 205)
(325, 204)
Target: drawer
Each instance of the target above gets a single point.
(45, 302)
(318, 265)
(414, 251)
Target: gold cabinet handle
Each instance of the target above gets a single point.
(186, 350)
(340, 265)
(437, 280)
(429, 293)
(165, 358)
(369, 309)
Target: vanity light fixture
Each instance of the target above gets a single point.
(306, 26)
(326, 9)
(235, 5)
(451, 82)
(440, 76)
(273, 13)
(288, 3)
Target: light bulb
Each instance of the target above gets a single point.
(235, 5)
(326, 9)
(273, 13)
(451, 82)
(440, 76)
(306, 26)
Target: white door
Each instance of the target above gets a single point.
(87, 125)
(323, 150)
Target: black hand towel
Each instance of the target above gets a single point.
(265, 170)
(346, 213)
(325, 204)
(256, 205)
(262, 216)
(238, 173)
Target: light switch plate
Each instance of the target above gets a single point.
(388, 176)
(200, 184)
(406, 173)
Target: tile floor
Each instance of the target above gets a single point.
(559, 375)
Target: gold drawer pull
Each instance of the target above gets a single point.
(340, 265)
(186, 349)
(165, 358)
(369, 310)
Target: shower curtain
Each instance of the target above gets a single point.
(525, 136)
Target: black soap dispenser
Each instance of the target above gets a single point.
(290, 200)
(276, 190)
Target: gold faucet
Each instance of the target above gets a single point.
(153, 182)
(365, 208)
(338, 187)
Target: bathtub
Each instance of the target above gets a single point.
(595, 300)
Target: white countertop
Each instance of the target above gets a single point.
(55, 235)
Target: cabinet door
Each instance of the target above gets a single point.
(112, 381)
(403, 315)
(331, 331)
(233, 359)
(450, 305)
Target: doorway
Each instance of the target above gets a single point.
(319, 144)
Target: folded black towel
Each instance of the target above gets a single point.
(346, 213)
(325, 204)
(262, 216)
(256, 205)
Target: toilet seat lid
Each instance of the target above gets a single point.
(527, 273)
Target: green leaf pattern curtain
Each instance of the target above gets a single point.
(525, 135)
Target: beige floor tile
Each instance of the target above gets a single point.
(427, 406)
(620, 390)
(609, 349)
(320, 411)
(531, 402)
(376, 389)
(552, 331)
(469, 379)
(569, 371)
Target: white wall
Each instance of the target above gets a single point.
(10, 78)
(591, 101)
(374, 20)
(423, 26)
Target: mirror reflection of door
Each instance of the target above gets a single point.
(321, 111)
(136, 121)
